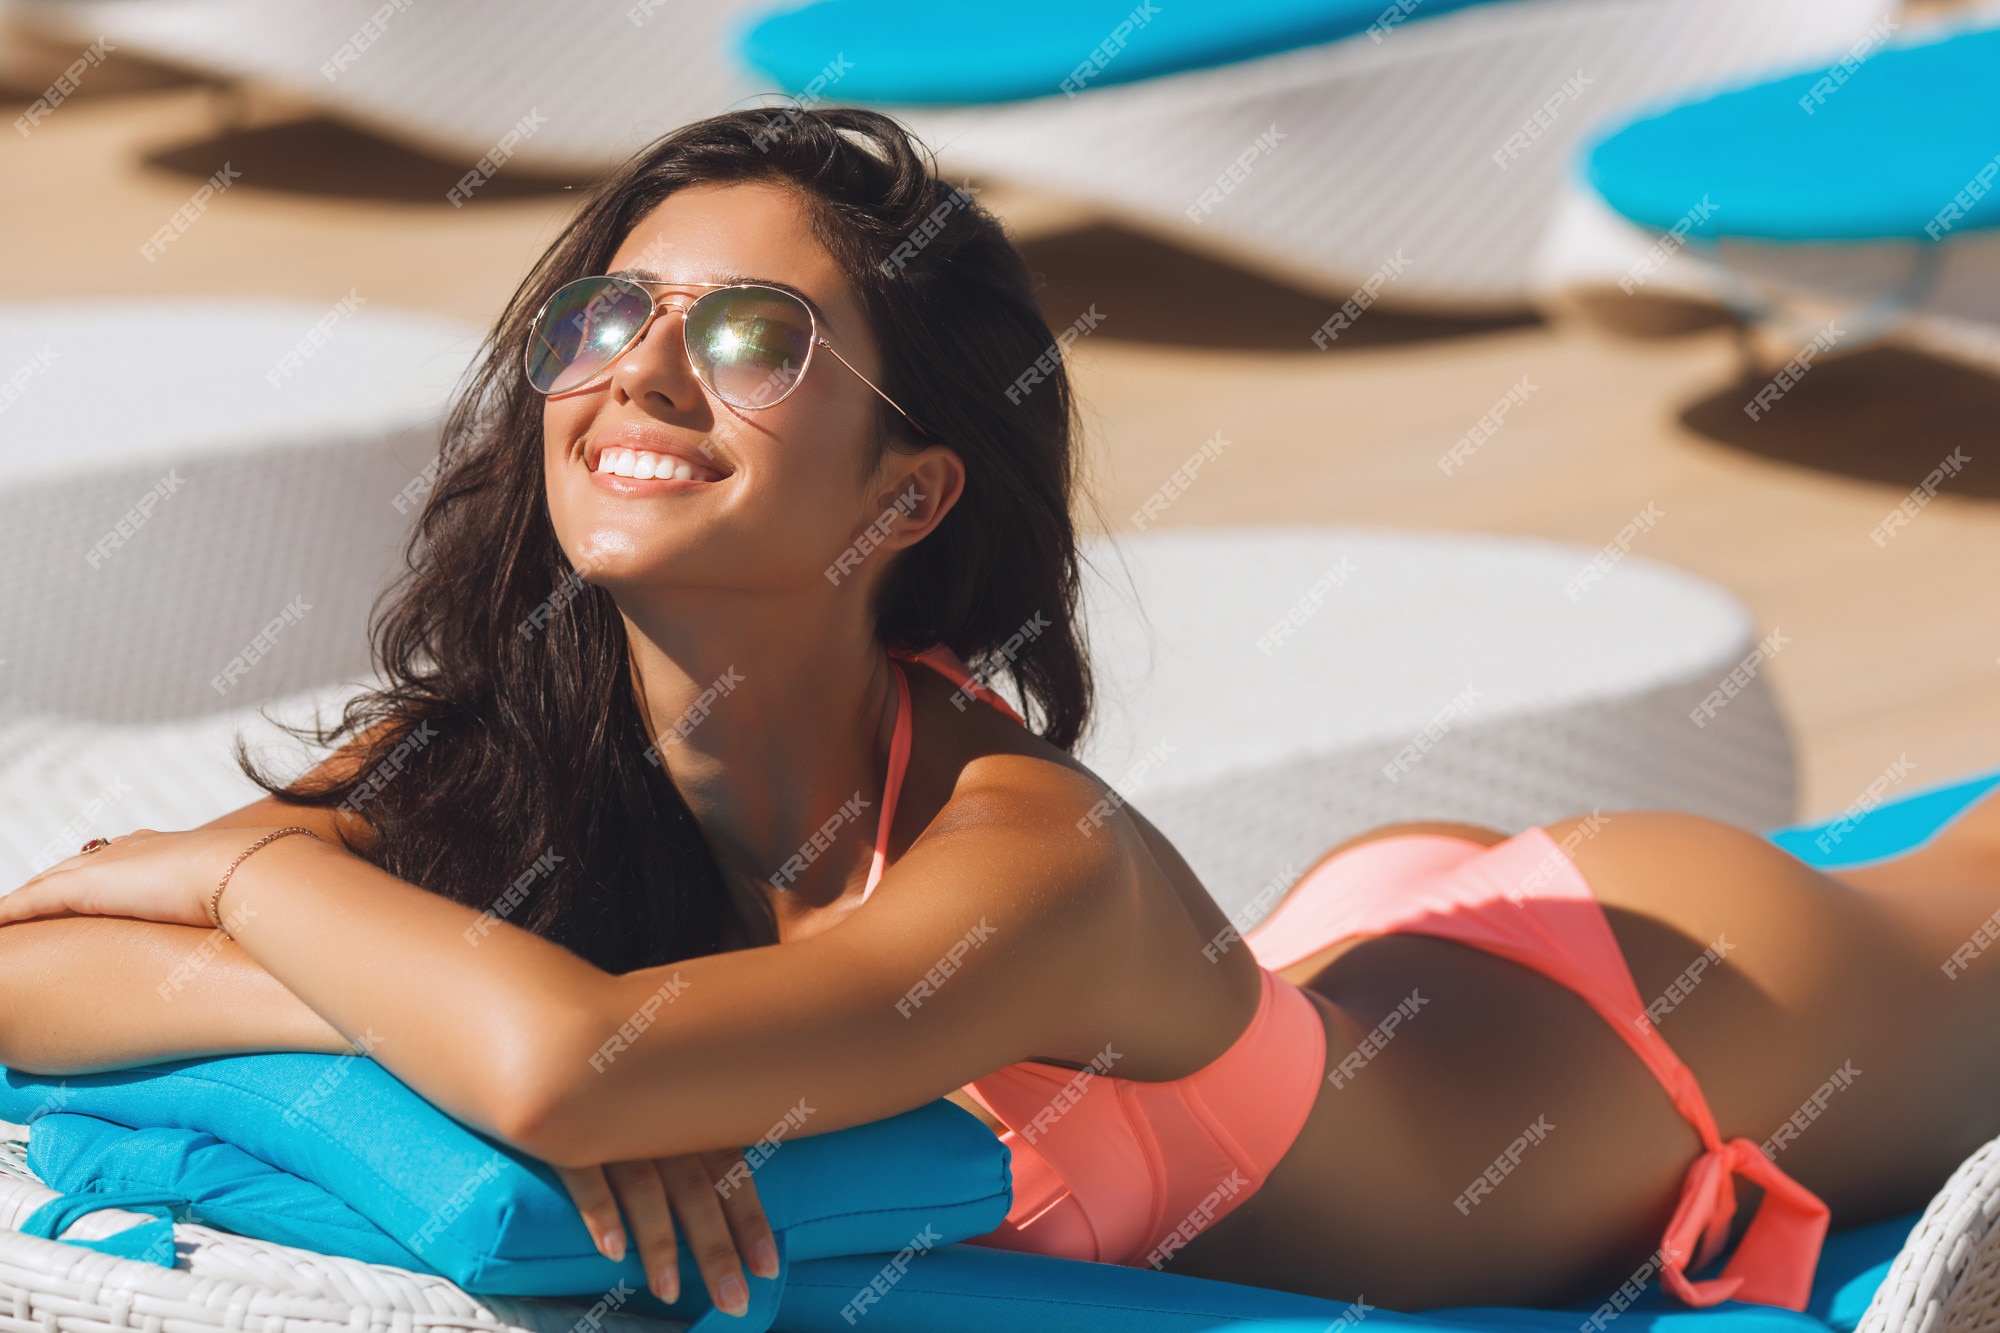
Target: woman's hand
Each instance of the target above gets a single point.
(716, 1201)
(144, 875)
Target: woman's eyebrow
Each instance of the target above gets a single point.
(726, 279)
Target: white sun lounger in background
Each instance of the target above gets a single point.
(1440, 139)
(1442, 142)
(1861, 199)
(199, 500)
(1270, 692)
(176, 474)
(577, 88)
(208, 528)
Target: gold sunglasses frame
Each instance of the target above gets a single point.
(816, 338)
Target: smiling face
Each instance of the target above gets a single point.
(741, 499)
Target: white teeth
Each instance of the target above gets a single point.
(641, 465)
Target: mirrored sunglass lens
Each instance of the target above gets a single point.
(585, 324)
(749, 344)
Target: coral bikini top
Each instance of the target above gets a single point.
(1112, 1169)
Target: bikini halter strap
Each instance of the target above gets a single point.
(946, 663)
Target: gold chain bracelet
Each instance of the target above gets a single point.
(215, 902)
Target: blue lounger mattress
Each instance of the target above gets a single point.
(280, 1147)
(911, 52)
(1870, 148)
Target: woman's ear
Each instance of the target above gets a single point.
(923, 488)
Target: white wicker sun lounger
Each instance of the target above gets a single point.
(1267, 693)
(1591, 250)
(1883, 254)
(1389, 146)
(200, 532)
(1947, 1277)
(451, 77)
(249, 462)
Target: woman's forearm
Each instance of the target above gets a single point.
(475, 1019)
(520, 1038)
(83, 994)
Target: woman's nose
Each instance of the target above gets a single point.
(657, 367)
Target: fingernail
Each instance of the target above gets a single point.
(731, 1295)
(668, 1285)
(764, 1259)
(613, 1245)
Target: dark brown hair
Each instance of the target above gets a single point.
(502, 764)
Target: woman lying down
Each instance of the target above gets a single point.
(678, 704)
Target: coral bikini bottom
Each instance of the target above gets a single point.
(1121, 1171)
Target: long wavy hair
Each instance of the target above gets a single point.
(502, 761)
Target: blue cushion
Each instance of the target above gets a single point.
(973, 1289)
(917, 51)
(221, 1185)
(970, 1289)
(451, 1201)
(1890, 829)
(1877, 156)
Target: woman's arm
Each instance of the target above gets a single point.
(81, 994)
(993, 940)
(999, 936)
(78, 994)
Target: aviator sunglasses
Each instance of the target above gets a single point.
(749, 344)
